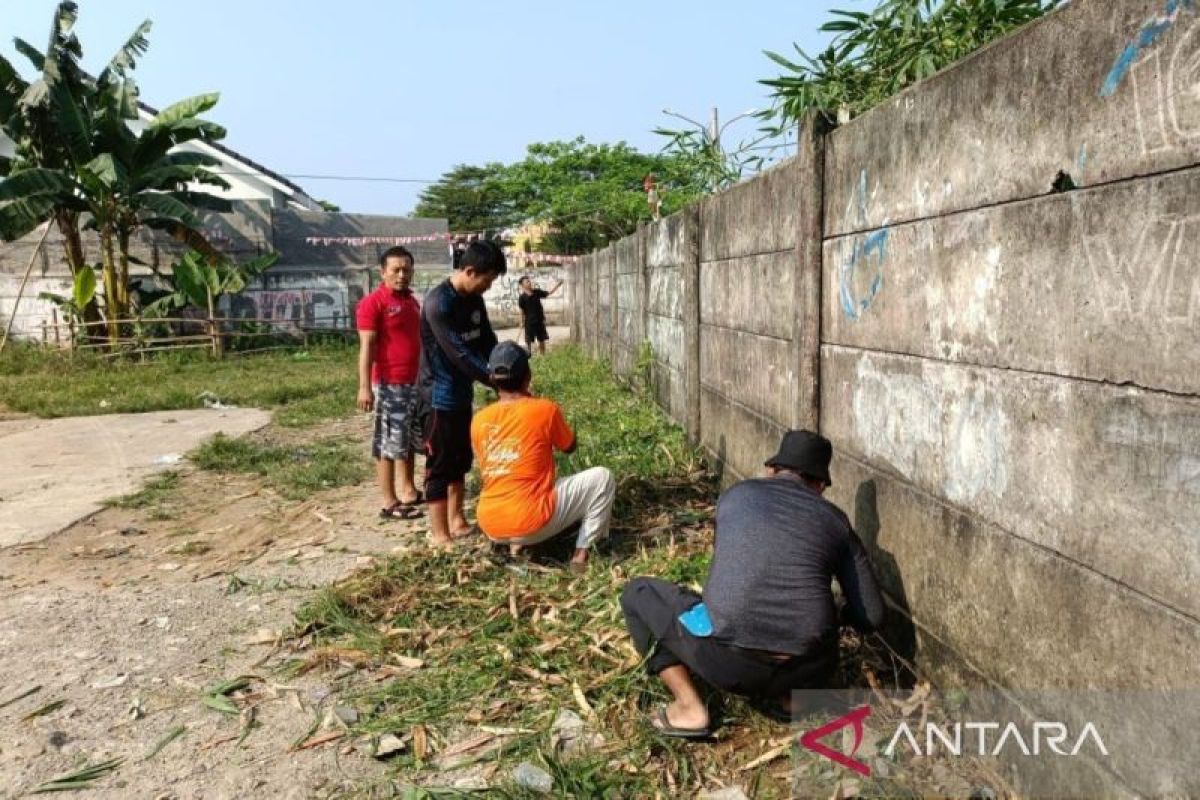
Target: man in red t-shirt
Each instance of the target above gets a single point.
(389, 354)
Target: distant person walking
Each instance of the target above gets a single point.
(389, 354)
(456, 340)
(533, 316)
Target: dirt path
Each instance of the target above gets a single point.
(129, 619)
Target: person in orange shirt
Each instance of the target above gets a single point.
(514, 441)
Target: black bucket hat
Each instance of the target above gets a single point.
(805, 452)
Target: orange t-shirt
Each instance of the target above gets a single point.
(514, 441)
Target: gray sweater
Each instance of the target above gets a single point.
(778, 545)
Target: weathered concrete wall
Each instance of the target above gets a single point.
(1016, 371)
(668, 248)
(747, 277)
(1010, 376)
(1100, 90)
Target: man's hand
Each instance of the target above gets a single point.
(366, 400)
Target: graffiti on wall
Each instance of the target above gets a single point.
(321, 308)
(1153, 275)
(502, 298)
(860, 275)
(1165, 81)
(311, 299)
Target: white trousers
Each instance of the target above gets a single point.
(585, 497)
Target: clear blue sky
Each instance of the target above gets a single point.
(408, 89)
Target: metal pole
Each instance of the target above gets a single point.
(20, 291)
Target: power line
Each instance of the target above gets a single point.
(332, 177)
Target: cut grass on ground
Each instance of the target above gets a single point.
(302, 386)
(467, 645)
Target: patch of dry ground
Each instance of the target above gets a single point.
(128, 620)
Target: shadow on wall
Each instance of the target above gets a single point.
(720, 465)
(898, 629)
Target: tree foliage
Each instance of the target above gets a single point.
(81, 163)
(588, 193)
(471, 197)
(876, 54)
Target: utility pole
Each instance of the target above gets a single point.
(715, 131)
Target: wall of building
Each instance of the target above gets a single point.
(1008, 373)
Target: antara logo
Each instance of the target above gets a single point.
(812, 740)
(956, 739)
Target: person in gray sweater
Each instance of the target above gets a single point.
(766, 624)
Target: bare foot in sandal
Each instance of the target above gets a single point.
(399, 510)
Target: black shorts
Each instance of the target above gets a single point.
(536, 331)
(447, 450)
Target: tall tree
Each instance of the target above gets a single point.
(592, 194)
(874, 55)
(588, 194)
(472, 198)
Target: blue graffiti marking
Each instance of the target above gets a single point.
(872, 249)
(1152, 30)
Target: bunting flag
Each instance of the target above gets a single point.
(542, 258)
(362, 241)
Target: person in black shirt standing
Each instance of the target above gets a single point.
(456, 340)
(767, 623)
(533, 316)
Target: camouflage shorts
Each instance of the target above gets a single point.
(397, 422)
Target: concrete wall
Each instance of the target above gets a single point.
(1010, 376)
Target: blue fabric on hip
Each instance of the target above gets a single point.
(697, 621)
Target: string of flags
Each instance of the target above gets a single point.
(542, 258)
(389, 241)
(359, 241)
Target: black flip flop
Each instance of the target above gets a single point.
(399, 510)
(663, 726)
(419, 500)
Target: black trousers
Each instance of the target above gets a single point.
(652, 608)
(447, 451)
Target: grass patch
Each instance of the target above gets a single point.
(155, 497)
(302, 386)
(295, 471)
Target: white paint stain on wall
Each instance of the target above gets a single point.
(977, 445)
(958, 307)
(949, 431)
(897, 417)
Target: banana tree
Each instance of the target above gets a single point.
(83, 294)
(37, 184)
(85, 159)
(200, 281)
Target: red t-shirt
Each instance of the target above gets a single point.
(396, 319)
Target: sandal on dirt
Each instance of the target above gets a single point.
(399, 510)
(663, 726)
(419, 500)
